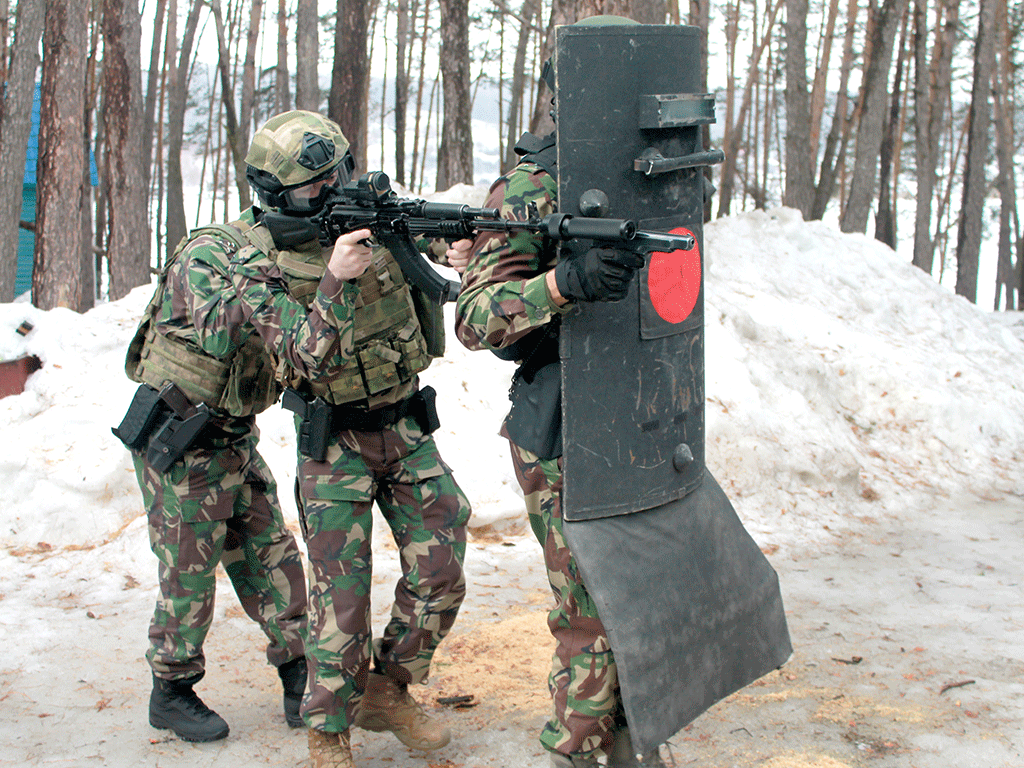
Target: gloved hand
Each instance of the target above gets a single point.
(601, 274)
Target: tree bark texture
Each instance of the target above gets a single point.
(530, 10)
(127, 215)
(455, 155)
(346, 105)
(402, 41)
(885, 216)
(178, 76)
(735, 131)
(931, 100)
(972, 207)
(307, 55)
(282, 90)
(246, 117)
(15, 126)
(152, 86)
(236, 144)
(800, 152)
(872, 116)
(834, 154)
(1009, 222)
(57, 279)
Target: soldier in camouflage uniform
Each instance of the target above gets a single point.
(218, 502)
(514, 291)
(350, 333)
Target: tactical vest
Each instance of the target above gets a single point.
(241, 385)
(390, 345)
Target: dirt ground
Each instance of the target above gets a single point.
(909, 653)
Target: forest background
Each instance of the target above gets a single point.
(908, 106)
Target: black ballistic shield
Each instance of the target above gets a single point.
(691, 605)
(633, 371)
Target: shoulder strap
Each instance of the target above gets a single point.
(540, 151)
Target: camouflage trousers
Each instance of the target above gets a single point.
(400, 469)
(218, 504)
(583, 681)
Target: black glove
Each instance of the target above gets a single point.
(601, 274)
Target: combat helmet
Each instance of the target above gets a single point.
(290, 153)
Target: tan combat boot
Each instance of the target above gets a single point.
(387, 706)
(330, 750)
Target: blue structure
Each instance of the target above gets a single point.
(27, 239)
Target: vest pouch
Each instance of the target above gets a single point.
(134, 356)
(252, 386)
(203, 378)
(412, 345)
(380, 367)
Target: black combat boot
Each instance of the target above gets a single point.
(293, 679)
(174, 705)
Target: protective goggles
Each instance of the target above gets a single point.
(311, 196)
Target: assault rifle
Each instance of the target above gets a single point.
(397, 223)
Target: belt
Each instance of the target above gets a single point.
(362, 420)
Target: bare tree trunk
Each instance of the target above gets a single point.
(283, 95)
(732, 150)
(834, 156)
(931, 98)
(15, 126)
(1009, 223)
(235, 142)
(178, 75)
(5, 31)
(872, 116)
(968, 243)
(307, 53)
(455, 155)
(59, 248)
(800, 152)
(530, 9)
(699, 16)
(562, 12)
(346, 104)
(152, 86)
(248, 96)
(820, 79)
(128, 221)
(402, 41)
(885, 217)
(92, 262)
(417, 176)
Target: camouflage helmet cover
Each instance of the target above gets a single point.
(293, 149)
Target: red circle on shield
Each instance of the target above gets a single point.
(673, 280)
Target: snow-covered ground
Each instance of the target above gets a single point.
(843, 385)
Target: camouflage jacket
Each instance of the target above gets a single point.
(504, 293)
(197, 309)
